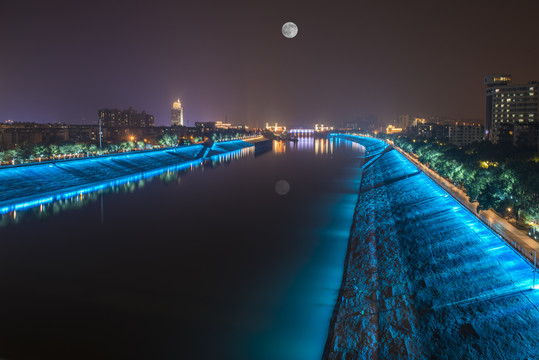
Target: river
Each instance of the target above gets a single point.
(240, 258)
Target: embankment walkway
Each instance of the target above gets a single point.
(425, 278)
(28, 185)
(516, 238)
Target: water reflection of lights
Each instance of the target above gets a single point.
(233, 155)
(346, 144)
(305, 143)
(320, 146)
(43, 206)
(324, 146)
(279, 147)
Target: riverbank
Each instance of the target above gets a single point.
(33, 184)
(426, 278)
(171, 264)
(518, 239)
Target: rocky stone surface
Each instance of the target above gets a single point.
(425, 279)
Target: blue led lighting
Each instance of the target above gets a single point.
(124, 163)
(446, 223)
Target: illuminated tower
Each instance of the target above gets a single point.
(177, 114)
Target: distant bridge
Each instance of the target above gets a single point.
(302, 132)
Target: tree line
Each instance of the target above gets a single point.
(497, 176)
(27, 152)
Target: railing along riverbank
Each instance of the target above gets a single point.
(100, 153)
(29, 185)
(515, 238)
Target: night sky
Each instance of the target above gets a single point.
(63, 60)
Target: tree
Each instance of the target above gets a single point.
(92, 148)
(127, 145)
(65, 149)
(112, 148)
(39, 151)
(15, 156)
(169, 140)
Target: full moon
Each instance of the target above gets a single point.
(290, 30)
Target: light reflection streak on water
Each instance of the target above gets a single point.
(321, 147)
(279, 147)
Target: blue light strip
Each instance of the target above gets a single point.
(448, 213)
(89, 189)
(62, 195)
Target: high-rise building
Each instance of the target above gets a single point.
(431, 130)
(403, 121)
(462, 135)
(205, 127)
(111, 118)
(509, 105)
(125, 118)
(177, 114)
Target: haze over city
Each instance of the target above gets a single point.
(62, 61)
(269, 180)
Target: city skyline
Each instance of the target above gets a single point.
(269, 180)
(61, 62)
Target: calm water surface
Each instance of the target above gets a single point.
(209, 263)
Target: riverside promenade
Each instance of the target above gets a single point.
(516, 238)
(28, 185)
(425, 278)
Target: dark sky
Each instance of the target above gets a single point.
(63, 60)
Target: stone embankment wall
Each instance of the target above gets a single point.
(22, 183)
(426, 279)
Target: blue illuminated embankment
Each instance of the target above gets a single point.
(425, 278)
(28, 186)
(373, 147)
